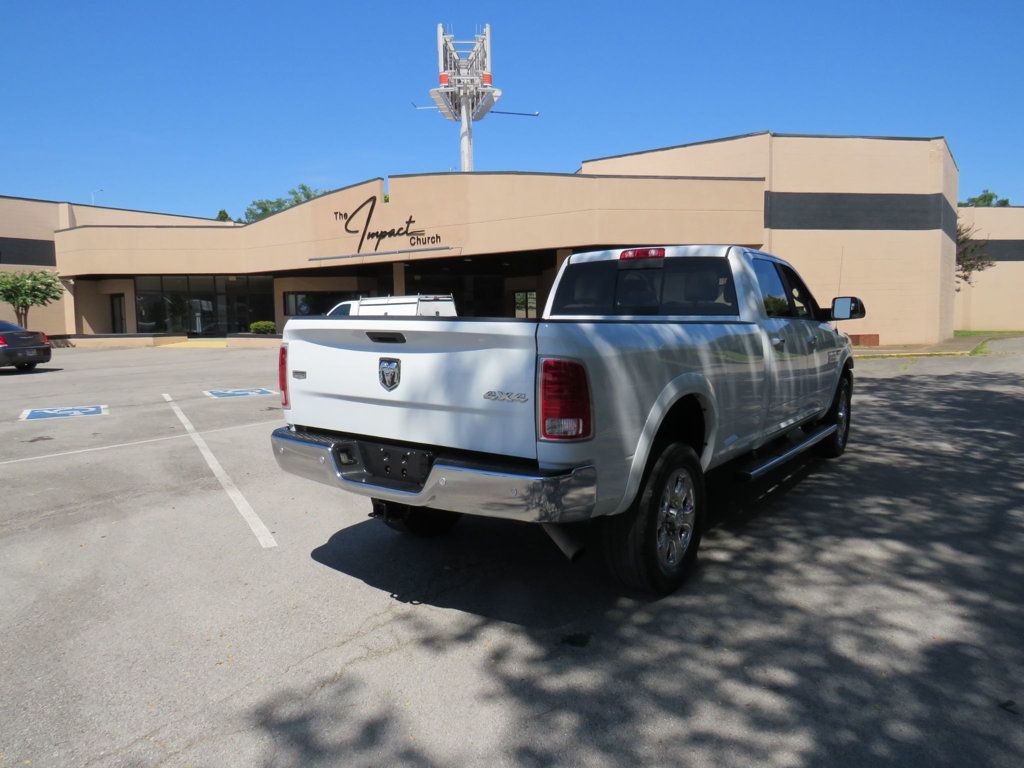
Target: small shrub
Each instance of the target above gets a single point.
(262, 326)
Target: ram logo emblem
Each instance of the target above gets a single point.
(389, 371)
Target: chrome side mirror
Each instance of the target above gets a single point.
(847, 308)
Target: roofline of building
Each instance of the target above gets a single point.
(148, 226)
(576, 175)
(678, 146)
(103, 207)
(988, 207)
(325, 194)
(413, 175)
(204, 226)
(781, 135)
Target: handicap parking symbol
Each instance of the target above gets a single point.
(221, 393)
(35, 414)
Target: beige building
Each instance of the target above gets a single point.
(993, 303)
(873, 217)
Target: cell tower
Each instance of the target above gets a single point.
(465, 91)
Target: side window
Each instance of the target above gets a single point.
(803, 302)
(773, 292)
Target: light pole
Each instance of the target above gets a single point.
(94, 196)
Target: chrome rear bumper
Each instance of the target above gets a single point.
(510, 495)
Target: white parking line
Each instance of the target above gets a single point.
(263, 535)
(135, 442)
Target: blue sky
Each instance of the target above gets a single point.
(189, 107)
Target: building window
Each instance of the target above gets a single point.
(526, 303)
(308, 303)
(202, 305)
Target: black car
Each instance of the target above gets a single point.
(22, 349)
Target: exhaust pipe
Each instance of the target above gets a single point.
(570, 545)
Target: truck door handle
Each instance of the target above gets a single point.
(777, 341)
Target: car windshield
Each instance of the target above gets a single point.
(6, 326)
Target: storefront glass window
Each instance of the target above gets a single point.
(150, 314)
(261, 284)
(148, 283)
(526, 303)
(204, 305)
(307, 303)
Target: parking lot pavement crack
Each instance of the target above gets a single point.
(153, 737)
(199, 740)
(363, 631)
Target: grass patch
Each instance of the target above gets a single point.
(988, 333)
(981, 349)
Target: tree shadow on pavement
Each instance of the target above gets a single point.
(333, 725)
(865, 611)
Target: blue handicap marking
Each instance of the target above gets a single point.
(34, 414)
(219, 393)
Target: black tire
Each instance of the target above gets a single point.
(25, 366)
(631, 540)
(415, 521)
(839, 414)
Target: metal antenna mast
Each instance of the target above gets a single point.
(465, 91)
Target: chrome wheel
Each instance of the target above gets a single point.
(677, 515)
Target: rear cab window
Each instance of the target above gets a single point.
(681, 285)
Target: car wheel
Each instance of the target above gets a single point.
(417, 521)
(833, 446)
(653, 546)
(25, 366)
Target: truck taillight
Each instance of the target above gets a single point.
(3, 341)
(282, 375)
(564, 401)
(643, 253)
(46, 339)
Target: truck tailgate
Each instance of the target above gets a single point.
(444, 370)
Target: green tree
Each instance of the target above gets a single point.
(24, 290)
(971, 254)
(260, 209)
(987, 199)
(223, 215)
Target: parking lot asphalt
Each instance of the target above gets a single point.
(864, 611)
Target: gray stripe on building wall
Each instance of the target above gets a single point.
(1004, 250)
(857, 210)
(27, 252)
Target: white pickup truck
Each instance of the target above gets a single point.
(649, 367)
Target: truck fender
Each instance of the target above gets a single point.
(680, 387)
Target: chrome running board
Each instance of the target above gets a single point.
(763, 465)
